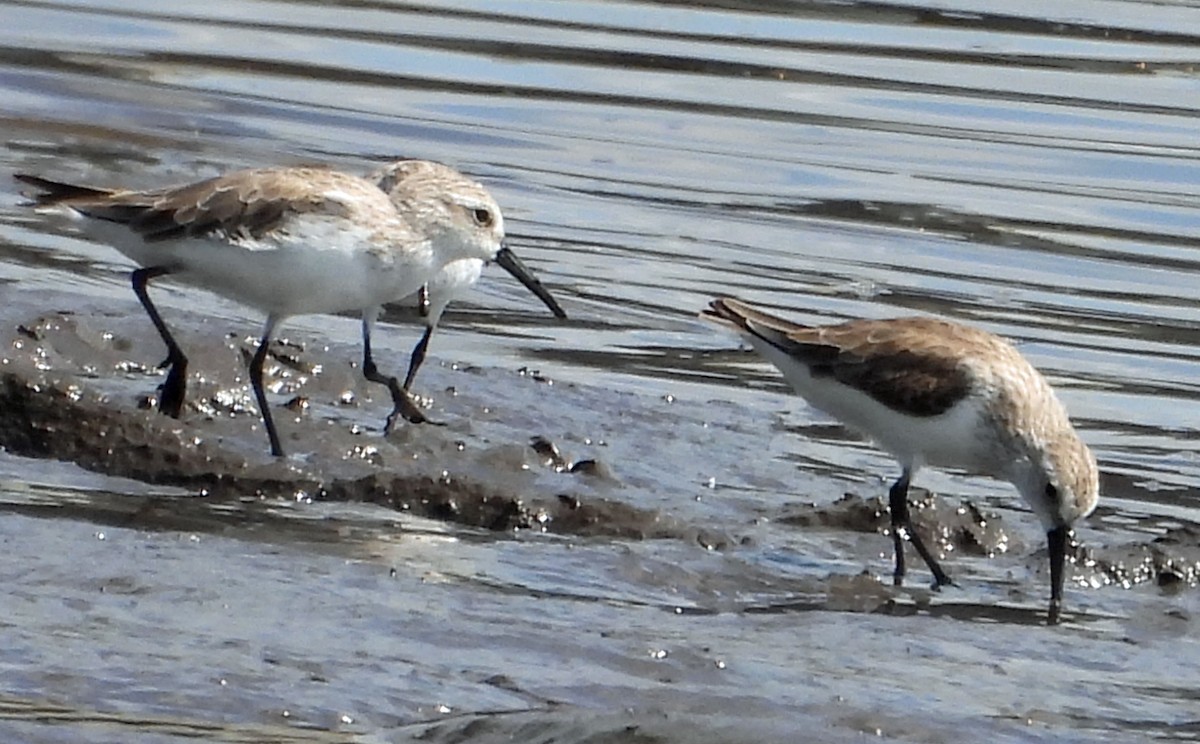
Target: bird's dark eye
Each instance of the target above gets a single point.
(483, 217)
(1052, 492)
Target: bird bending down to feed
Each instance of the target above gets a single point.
(288, 241)
(933, 392)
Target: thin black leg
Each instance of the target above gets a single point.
(174, 388)
(418, 358)
(402, 403)
(256, 374)
(1057, 541)
(901, 526)
(898, 507)
(423, 300)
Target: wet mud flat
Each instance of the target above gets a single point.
(555, 562)
(80, 387)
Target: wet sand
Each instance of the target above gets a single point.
(77, 388)
(627, 530)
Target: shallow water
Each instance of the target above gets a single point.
(1034, 171)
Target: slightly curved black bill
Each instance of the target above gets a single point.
(510, 263)
(1057, 539)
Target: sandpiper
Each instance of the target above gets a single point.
(289, 241)
(933, 392)
(399, 179)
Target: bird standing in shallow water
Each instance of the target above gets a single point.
(932, 392)
(400, 178)
(287, 241)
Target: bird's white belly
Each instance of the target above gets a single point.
(318, 266)
(300, 282)
(448, 284)
(962, 437)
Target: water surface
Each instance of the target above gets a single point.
(1033, 170)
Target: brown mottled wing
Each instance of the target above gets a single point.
(906, 364)
(247, 203)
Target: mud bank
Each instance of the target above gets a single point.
(69, 391)
(516, 451)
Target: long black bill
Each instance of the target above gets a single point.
(1057, 543)
(510, 263)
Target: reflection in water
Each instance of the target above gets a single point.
(1029, 170)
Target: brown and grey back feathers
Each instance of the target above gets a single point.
(901, 363)
(242, 204)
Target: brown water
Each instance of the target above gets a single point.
(1034, 170)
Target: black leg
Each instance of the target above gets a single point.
(402, 403)
(898, 507)
(1057, 541)
(418, 358)
(174, 388)
(256, 374)
(423, 300)
(901, 526)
